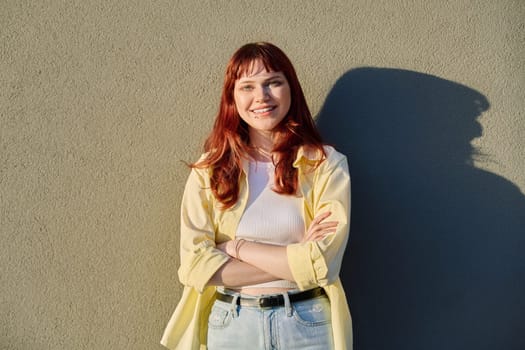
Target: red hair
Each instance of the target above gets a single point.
(228, 142)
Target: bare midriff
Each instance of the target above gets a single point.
(260, 291)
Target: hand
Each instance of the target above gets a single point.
(225, 247)
(231, 247)
(319, 229)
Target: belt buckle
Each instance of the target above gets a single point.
(269, 301)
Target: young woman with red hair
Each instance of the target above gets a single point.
(264, 221)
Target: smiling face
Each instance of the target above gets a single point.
(262, 98)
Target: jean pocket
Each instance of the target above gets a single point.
(314, 312)
(219, 317)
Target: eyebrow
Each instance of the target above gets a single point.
(275, 76)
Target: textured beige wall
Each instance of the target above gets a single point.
(100, 100)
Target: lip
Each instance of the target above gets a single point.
(267, 109)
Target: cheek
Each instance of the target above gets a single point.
(285, 94)
(240, 107)
(240, 101)
(287, 100)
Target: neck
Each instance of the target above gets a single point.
(261, 143)
(262, 140)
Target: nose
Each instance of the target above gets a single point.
(262, 94)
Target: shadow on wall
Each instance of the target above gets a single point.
(436, 254)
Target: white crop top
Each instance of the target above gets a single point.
(270, 217)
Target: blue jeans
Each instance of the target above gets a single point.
(304, 325)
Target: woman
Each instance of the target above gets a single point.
(264, 222)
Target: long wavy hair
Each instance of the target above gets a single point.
(228, 143)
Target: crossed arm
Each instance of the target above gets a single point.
(253, 262)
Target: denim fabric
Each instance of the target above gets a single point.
(304, 325)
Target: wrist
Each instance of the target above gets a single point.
(230, 248)
(236, 248)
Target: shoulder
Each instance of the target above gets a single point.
(314, 154)
(334, 161)
(333, 156)
(199, 171)
(313, 159)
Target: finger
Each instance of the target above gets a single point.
(320, 229)
(318, 235)
(324, 226)
(321, 217)
(325, 231)
(315, 224)
(310, 236)
(327, 224)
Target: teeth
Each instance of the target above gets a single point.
(264, 110)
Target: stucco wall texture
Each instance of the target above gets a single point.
(102, 101)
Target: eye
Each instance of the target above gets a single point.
(276, 83)
(246, 88)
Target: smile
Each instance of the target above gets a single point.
(263, 110)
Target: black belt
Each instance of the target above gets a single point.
(272, 300)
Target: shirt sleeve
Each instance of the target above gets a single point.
(318, 263)
(199, 257)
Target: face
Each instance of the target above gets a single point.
(262, 98)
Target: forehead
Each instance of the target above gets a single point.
(256, 69)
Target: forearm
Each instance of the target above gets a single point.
(236, 273)
(266, 257)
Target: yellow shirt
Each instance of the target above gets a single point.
(204, 224)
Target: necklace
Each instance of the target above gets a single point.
(266, 155)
